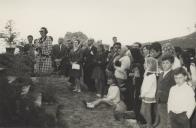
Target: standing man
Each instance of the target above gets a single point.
(59, 56)
(115, 40)
(89, 63)
(29, 48)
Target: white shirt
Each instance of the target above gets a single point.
(181, 99)
(120, 72)
(113, 94)
(149, 86)
(193, 71)
(165, 72)
(176, 63)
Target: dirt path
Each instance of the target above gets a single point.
(76, 115)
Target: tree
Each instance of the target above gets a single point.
(9, 33)
(76, 35)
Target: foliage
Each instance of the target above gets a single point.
(76, 35)
(9, 33)
(17, 65)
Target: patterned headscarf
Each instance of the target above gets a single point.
(151, 65)
(168, 49)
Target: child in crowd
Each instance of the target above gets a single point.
(148, 89)
(112, 98)
(165, 82)
(181, 101)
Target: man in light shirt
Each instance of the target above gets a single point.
(181, 101)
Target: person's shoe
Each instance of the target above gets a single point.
(79, 90)
(75, 90)
(89, 105)
(98, 95)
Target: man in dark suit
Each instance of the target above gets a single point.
(165, 82)
(60, 57)
(89, 64)
(29, 50)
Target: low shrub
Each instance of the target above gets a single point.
(17, 65)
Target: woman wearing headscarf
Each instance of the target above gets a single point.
(169, 49)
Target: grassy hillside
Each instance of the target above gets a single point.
(188, 41)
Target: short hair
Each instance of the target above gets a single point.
(77, 41)
(156, 46)
(29, 36)
(139, 44)
(117, 43)
(45, 29)
(180, 70)
(168, 57)
(51, 37)
(113, 78)
(91, 40)
(146, 46)
(178, 51)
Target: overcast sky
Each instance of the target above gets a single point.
(129, 20)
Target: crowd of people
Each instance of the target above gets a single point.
(155, 81)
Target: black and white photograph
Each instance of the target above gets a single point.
(97, 63)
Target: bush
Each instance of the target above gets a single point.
(17, 65)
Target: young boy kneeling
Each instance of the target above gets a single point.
(181, 101)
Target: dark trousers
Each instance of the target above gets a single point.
(88, 80)
(135, 101)
(179, 120)
(193, 120)
(163, 114)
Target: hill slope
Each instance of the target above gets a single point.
(188, 41)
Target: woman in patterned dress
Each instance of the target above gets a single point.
(44, 48)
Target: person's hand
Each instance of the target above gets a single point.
(193, 64)
(131, 74)
(73, 62)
